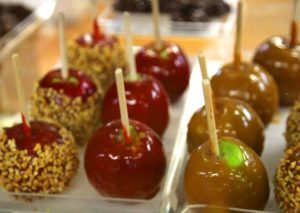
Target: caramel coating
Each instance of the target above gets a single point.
(234, 118)
(283, 63)
(292, 133)
(287, 179)
(250, 83)
(211, 180)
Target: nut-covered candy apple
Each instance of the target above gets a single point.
(234, 118)
(98, 54)
(250, 83)
(39, 158)
(146, 100)
(235, 178)
(168, 64)
(73, 102)
(119, 164)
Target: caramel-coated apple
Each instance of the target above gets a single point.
(283, 62)
(122, 165)
(250, 83)
(41, 158)
(146, 100)
(234, 118)
(72, 102)
(235, 178)
(168, 64)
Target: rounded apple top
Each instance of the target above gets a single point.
(250, 83)
(122, 166)
(168, 64)
(234, 118)
(237, 178)
(146, 101)
(90, 40)
(77, 84)
(283, 62)
(42, 133)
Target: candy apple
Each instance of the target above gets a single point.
(146, 100)
(250, 83)
(283, 62)
(235, 178)
(168, 64)
(125, 165)
(234, 118)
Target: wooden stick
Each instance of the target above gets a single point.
(294, 25)
(122, 99)
(210, 117)
(62, 45)
(238, 34)
(203, 68)
(130, 55)
(20, 87)
(155, 16)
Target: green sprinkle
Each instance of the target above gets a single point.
(73, 80)
(164, 54)
(56, 80)
(231, 153)
(129, 77)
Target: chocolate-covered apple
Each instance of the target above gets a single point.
(250, 83)
(72, 102)
(146, 100)
(119, 164)
(234, 118)
(168, 64)
(235, 178)
(280, 55)
(39, 158)
(97, 54)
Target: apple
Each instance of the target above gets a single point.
(236, 178)
(77, 84)
(283, 62)
(146, 100)
(234, 118)
(126, 166)
(250, 83)
(168, 64)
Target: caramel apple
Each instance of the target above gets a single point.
(168, 64)
(292, 133)
(40, 158)
(97, 54)
(287, 179)
(146, 102)
(234, 118)
(118, 165)
(250, 83)
(280, 56)
(235, 178)
(72, 102)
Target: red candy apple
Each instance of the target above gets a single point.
(77, 84)
(146, 100)
(119, 165)
(39, 132)
(168, 64)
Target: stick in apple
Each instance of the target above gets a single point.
(21, 96)
(202, 63)
(122, 99)
(294, 25)
(155, 16)
(210, 117)
(62, 46)
(128, 36)
(238, 34)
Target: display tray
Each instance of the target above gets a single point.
(142, 23)
(273, 149)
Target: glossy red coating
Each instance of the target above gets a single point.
(168, 64)
(41, 132)
(146, 100)
(76, 85)
(119, 169)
